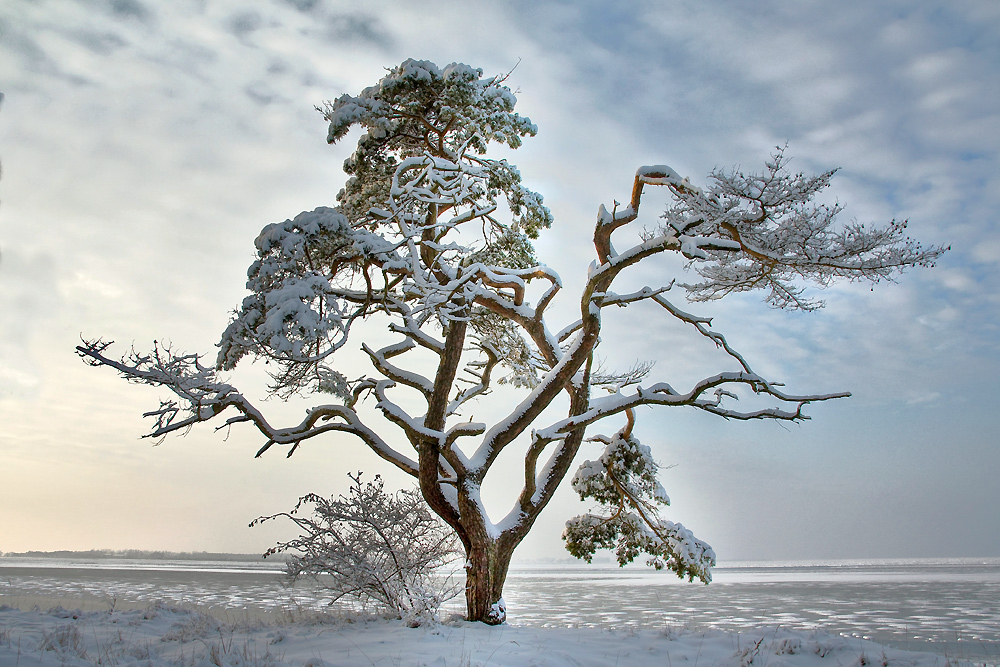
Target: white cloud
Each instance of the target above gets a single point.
(145, 144)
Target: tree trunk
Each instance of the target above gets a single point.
(486, 571)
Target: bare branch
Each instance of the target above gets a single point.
(664, 394)
(483, 377)
(204, 397)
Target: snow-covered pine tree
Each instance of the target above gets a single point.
(417, 241)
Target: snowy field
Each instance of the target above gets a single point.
(162, 635)
(195, 613)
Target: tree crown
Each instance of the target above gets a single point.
(417, 176)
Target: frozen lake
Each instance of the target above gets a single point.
(949, 606)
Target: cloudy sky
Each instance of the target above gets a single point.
(144, 144)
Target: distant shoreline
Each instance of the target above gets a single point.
(134, 554)
(600, 561)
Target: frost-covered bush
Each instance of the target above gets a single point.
(385, 552)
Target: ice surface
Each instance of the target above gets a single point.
(163, 636)
(948, 607)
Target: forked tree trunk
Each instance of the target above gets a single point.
(486, 571)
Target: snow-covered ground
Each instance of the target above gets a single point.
(161, 636)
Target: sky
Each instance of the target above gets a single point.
(144, 145)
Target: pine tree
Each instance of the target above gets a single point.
(434, 238)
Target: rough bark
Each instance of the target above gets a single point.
(428, 451)
(488, 557)
(486, 572)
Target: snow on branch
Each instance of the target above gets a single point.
(709, 394)
(202, 397)
(615, 380)
(481, 372)
(623, 482)
(380, 361)
(763, 231)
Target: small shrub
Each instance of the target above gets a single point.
(384, 552)
(198, 626)
(788, 646)
(227, 653)
(65, 640)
